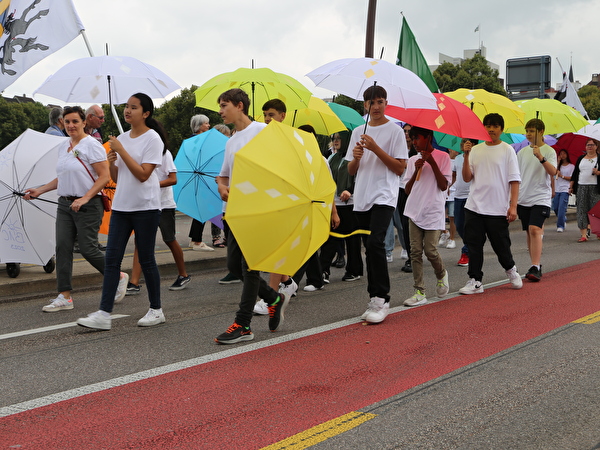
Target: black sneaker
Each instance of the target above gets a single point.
(340, 263)
(180, 283)
(229, 279)
(534, 274)
(349, 277)
(325, 278)
(407, 267)
(132, 289)
(276, 311)
(234, 334)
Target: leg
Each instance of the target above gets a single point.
(145, 225)
(65, 233)
(499, 236)
(475, 237)
(87, 221)
(416, 254)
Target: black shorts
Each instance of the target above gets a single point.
(167, 225)
(534, 215)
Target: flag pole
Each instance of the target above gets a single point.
(87, 43)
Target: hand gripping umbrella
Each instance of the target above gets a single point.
(280, 199)
(198, 162)
(27, 232)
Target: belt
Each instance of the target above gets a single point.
(70, 199)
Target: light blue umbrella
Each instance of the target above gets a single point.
(198, 162)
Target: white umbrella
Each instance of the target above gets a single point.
(106, 79)
(590, 131)
(27, 226)
(352, 76)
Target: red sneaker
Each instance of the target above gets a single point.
(463, 261)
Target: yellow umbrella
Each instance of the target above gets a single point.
(318, 114)
(557, 117)
(280, 199)
(483, 102)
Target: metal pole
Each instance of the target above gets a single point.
(87, 43)
(370, 36)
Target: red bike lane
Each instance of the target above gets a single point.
(263, 396)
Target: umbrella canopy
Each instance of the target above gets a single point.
(557, 117)
(27, 226)
(590, 131)
(318, 115)
(280, 199)
(261, 85)
(548, 140)
(574, 144)
(349, 117)
(483, 102)
(87, 80)
(594, 218)
(451, 117)
(352, 76)
(198, 162)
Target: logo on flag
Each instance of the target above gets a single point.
(32, 30)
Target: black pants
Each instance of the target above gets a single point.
(477, 227)
(348, 224)
(402, 197)
(377, 220)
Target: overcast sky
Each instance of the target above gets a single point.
(194, 40)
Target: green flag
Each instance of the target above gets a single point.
(410, 57)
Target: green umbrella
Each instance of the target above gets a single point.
(347, 115)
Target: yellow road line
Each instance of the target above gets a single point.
(322, 432)
(592, 318)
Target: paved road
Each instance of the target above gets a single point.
(537, 387)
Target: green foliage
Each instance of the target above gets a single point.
(590, 98)
(473, 73)
(109, 127)
(15, 118)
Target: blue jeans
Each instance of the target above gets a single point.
(459, 221)
(560, 202)
(144, 224)
(390, 238)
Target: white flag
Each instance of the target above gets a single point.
(32, 30)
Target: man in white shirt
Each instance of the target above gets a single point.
(493, 171)
(537, 164)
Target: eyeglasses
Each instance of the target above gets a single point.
(99, 117)
(590, 145)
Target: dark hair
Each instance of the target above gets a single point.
(74, 109)
(494, 119)
(560, 161)
(236, 96)
(308, 129)
(344, 142)
(148, 106)
(473, 141)
(276, 104)
(374, 92)
(538, 124)
(418, 131)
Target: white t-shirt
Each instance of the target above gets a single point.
(131, 194)
(562, 185)
(461, 187)
(167, 201)
(536, 187)
(234, 144)
(493, 168)
(375, 184)
(425, 205)
(586, 178)
(73, 179)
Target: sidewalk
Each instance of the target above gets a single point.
(34, 281)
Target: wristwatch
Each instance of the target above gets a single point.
(543, 160)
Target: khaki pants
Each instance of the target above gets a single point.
(424, 241)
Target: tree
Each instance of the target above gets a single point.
(590, 98)
(17, 117)
(473, 73)
(351, 103)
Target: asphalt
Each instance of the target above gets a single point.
(33, 281)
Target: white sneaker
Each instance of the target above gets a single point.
(370, 309)
(202, 247)
(443, 287)
(98, 320)
(403, 254)
(417, 299)
(152, 317)
(122, 287)
(389, 258)
(515, 278)
(261, 308)
(312, 288)
(289, 290)
(58, 304)
(560, 230)
(443, 239)
(450, 243)
(379, 310)
(472, 287)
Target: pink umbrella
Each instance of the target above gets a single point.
(451, 117)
